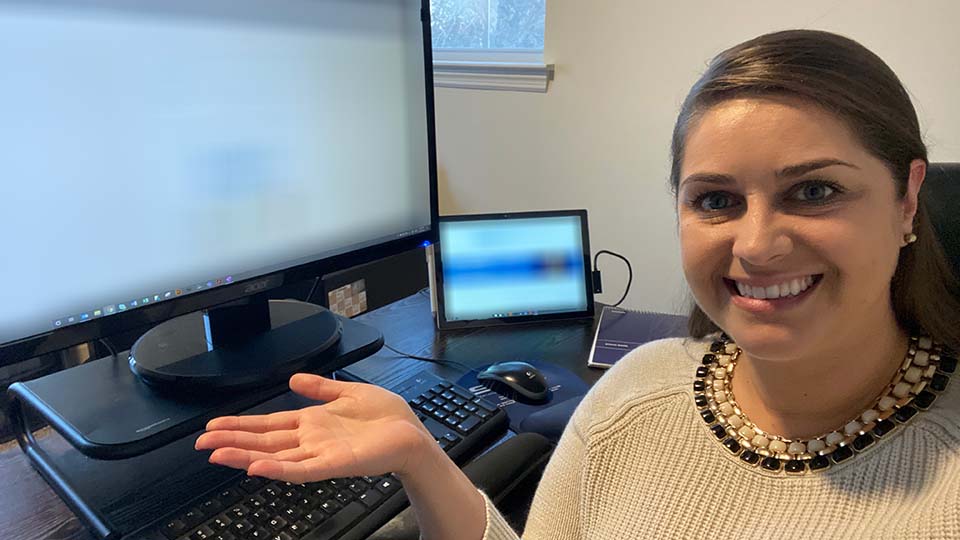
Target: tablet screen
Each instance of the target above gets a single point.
(508, 268)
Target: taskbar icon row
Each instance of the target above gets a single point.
(139, 302)
(515, 314)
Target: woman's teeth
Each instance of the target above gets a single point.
(788, 288)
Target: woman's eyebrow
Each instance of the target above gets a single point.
(808, 166)
(709, 178)
(791, 171)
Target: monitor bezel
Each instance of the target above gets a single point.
(588, 313)
(58, 339)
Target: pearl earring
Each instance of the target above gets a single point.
(909, 238)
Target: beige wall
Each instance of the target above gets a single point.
(599, 138)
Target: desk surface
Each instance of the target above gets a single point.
(30, 510)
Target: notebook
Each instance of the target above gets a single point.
(619, 331)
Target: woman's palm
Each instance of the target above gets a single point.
(362, 430)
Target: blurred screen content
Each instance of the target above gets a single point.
(512, 267)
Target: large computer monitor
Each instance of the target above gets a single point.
(185, 157)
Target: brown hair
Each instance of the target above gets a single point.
(844, 78)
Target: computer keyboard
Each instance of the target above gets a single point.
(251, 508)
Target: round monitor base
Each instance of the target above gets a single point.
(180, 354)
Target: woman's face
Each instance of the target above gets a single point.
(789, 229)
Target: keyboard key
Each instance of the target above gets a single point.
(451, 437)
(315, 517)
(447, 395)
(211, 507)
(387, 486)
(459, 401)
(330, 506)
(174, 528)
(241, 527)
(229, 496)
(299, 529)
(259, 534)
(282, 536)
(428, 408)
(203, 533)
(452, 420)
(462, 393)
(224, 536)
(193, 517)
(357, 487)
(220, 522)
(469, 424)
(371, 498)
(484, 404)
(277, 524)
(238, 511)
(251, 484)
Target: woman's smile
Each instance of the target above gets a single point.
(771, 295)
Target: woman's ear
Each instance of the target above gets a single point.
(918, 172)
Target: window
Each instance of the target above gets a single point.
(489, 44)
(488, 24)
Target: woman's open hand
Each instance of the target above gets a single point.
(361, 430)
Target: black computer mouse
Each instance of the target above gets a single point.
(524, 380)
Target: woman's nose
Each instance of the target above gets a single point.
(761, 237)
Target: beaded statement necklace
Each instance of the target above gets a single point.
(922, 377)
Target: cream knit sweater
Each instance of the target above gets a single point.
(637, 462)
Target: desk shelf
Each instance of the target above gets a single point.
(122, 436)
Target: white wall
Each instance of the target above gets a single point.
(599, 138)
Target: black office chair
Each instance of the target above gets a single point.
(941, 193)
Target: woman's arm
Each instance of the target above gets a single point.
(445, 501)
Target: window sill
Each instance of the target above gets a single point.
(509, 76)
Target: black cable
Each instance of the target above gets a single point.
(106, 343)
(629, 272)
(313, 289)
(434, 360)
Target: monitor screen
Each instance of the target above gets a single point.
(153, 150)
(513, 266)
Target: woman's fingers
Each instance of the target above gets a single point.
(298, 472)
(256, 423)
(317, 387)
(274, 441)
(238, 458)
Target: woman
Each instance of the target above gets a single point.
(821, 409)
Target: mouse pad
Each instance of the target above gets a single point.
(563, 384)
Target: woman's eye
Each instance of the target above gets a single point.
(814, 192)
(714, 201)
